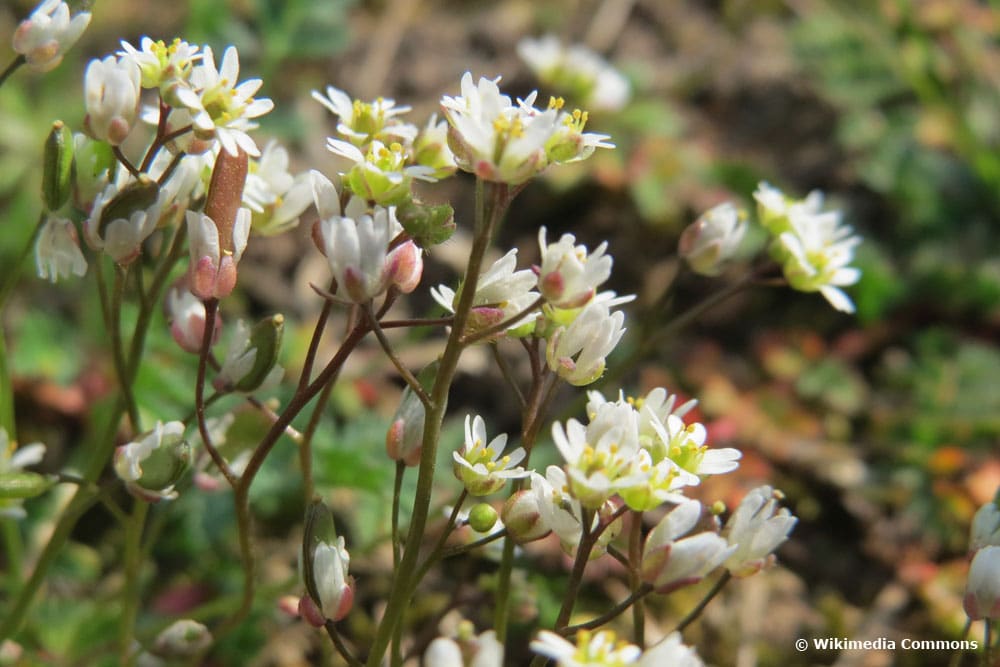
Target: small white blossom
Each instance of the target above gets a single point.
(982, 592)
(684, 444)
(592, 649)
(467, 650)
(670, 560)
(501, 293)
(568, 276)
(166, 456)
(186, 313)
(379, 175)
(818, 250)
(985, 529)
(121, 238)
(492, 138)
(713, 239)
(577, 352)
(568, 142)
(241, 356)
(274, 196)
(162, 65)
(363, 122)
(57, 251)
(48, 33)
(577, 70)
(479, 466)
(562, 514)
(111, 93)
(756, 530)
(221, 107)
(333, 583)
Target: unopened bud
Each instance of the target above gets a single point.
(154, 462)
(982, 592)
(183, 639)
(136, 196)
(404, 440)
(405, 266)
(482, 517)
(522, 517)
(18, 484)
(325, 562)
(57, 166)
(711, 241)
(427, 225)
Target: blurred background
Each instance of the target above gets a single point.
(882, 429)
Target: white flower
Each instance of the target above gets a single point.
(121, 237)
(479, 466)
(275, 197)
(186, 313)
(221, 107)
(333, 584)
(671, 561)
(238, 371)
(982, 592)
(14, 459)
(711, 241)
(774, 207)
(600, 456)
(985, 527)
(467, 650)
(494, 139)
(577, 70)
(166, 456)
(362, 122)
(213, 268)
(569, 143)
(357, 250)
(671, 651)
(685, 446)
(45, 36)
(111, 92)
(379, 175)
(818, 250)
(654, 484)
(562, 514)
(592, 649)
(162, 66)
(577, 352)
(757, 531)
(501, 293)
(568, 277)
(430, 148)
(57, 251)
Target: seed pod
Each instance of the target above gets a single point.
(57, 166)
(135, 196)
(165, 465)
(482, 517)
(225, 194)
(265, 337)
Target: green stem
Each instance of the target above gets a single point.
(501, 327)
(404, 372)
(635, 579)
(489, 210)
(131, 589)
(118, 347)
(633, 600)
(211, 308)
(11, 68)
(700, 607)
(338, 643)
(397, 489)
(14, 552)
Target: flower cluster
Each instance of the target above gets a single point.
(813, 245)
(575, 71)
(48, 33)
(604, 649)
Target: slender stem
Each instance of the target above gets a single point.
(272, 417)
(14, 552)
(338, 643)
(14, 268)
(587, 541)
(174, 161)
(508, 375)
(700, 607)
(427, 322)
(634, 599)
(501, 601)
(131, 588)
(501, 327)
(211, 308)
(411, 379)
(12, 67)
(117, 151)
(446, 532)
(305, 442)
(101, 492)
(307, 363)
(634, 558)
(988, 641)
(488, 214)
(397, 489)
(118, 347)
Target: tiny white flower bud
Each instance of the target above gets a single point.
(57, 251)
(45, 36)
(711, 241)
(982, 592)
(985, 526)
(756, 530)
(111, 91)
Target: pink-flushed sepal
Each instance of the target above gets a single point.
(213, 268)
(187, 320)
(405, 265)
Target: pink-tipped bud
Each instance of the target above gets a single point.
(406, 265)
(522, 517)
(310, 613)
(187, 320)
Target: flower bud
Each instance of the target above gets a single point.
(671, 561)
(182, 639)
(57, 166)
(712, 240)
(186, 314)
(405, 438)
(523, 519)
(405, 266)
(20, 484)
(430, 149)
(982, 592)
(986, 526)
(482, 517)
(568, 277)
(57, 251)
(45, 36)
(757, 530)
(111, 88)
(325, 562)
(252, 358)
(121, 219)
(152, 464)
(426, 224)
